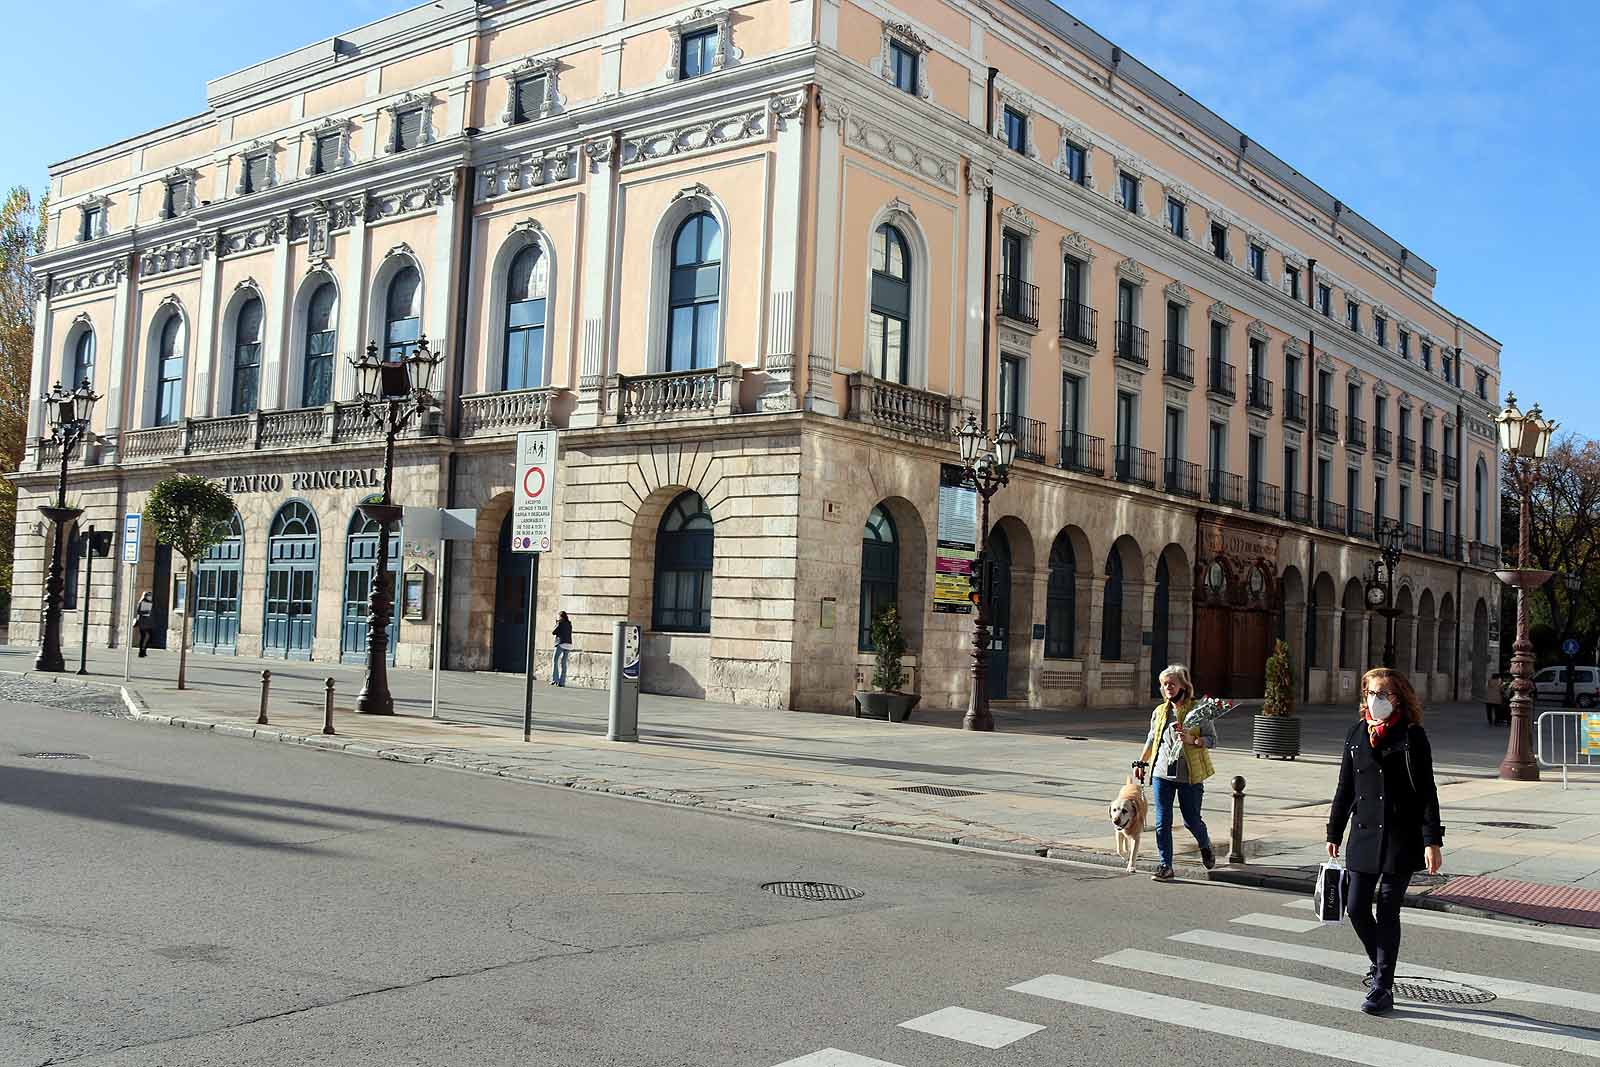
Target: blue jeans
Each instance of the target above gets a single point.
(1189, 798)
(558, 665)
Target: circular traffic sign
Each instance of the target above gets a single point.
(1570, 646)
(533, 481)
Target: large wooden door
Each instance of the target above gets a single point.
(1211, 666)
(1249, 648)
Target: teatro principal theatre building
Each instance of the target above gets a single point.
(756, 260)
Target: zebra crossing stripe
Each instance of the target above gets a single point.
(1351, 963)
(1510, 931)
(832, 1057)
(1249, 1025)
(1287, 923)
(1497, 1025)
(973, 1027)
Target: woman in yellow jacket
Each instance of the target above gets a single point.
(1182, 764)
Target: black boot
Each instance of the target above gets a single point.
(1380, 1000)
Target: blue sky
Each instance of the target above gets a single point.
(1461, 128)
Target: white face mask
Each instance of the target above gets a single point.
(1379, 707)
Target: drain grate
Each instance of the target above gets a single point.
(936, 790)
(812, 891)
(1437, 991)
(52, 755)
(1517, 825)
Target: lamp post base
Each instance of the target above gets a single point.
(981, 721)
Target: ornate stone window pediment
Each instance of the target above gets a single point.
(1259, 330)
(1325, 362)
(1177, 293)
(182, 192)
(903, 35)
(1292, 346)
(412, 107)
(1077, 246)
(257, 168)
(703, 18)
(1380, 388)
(1013, 99)
(1405, 401)
(550, 101)
(92, 213)
(1015, 218)
(326, 146)
(1354, 377)
(1220, 312)
(1130, 269)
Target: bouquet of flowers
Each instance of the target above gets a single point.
(1207, 708)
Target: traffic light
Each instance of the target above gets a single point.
(975, 583)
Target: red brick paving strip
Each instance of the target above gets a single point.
(1563, 904)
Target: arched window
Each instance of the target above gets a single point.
(1478, 480)
(695, 299)
(889, 327)
(1111, 617)
(316, 381)
(526, 286)
(169, 371)
(880, 571)
(247, 357)
(1061, 602)
(402, 315)
(684, 550)
(82, 360)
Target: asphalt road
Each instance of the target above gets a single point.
(178, 898)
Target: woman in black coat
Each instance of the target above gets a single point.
(1386, 792)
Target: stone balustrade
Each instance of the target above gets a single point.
(674, 395)
(500, 414)
(902, 408)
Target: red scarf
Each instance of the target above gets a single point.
(1376, 731)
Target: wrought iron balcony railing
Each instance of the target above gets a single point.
(1355, 432)
(1135, 466)
(1133, 344)
(1080, 324)
(1224, 489)
(1331, 517)
(1082, 453)
(1297, 507)
(1328, 420)
(1383, 442)
(1181, 477)
(1029, 434)
(1408, 452)
(1430, 461)
(1258, 396)
(1220, 379)
(1180, 362)
(1019, 301)
(1263, 498)
(1294, 406)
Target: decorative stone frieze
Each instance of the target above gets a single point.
(745, 125)
(1178, 294)
(1258, 330)
(176, 255)
(900, 152)
(99, 276)
(250, 238)
(1014, 217)
(530, 170)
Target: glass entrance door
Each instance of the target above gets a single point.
(515, 570)
(217, 580)
(292, 561)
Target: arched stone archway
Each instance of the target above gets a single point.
(1445, 663)
(1324, 618)
(1480, 649)
(1171, 613)
(1405, 631)
(906, 555)
(1011, 599)
(1292, 617)
(1352, 626)
(1426, 643)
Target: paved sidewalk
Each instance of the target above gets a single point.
(1039, 786)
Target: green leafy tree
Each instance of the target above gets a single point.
(21, 235)
(190, 513)
(889, 644)
(1280, 682)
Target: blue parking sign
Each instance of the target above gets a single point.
(1569, 647)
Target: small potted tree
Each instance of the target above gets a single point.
(884, 700)
(1274, 730)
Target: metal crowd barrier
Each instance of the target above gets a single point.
(1567, 739)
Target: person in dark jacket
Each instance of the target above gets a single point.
(558, 658)
(1387, 794)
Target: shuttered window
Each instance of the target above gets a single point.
(529, 99)
(408, 129)
(255, 174)
(180, 196)
(327, 159)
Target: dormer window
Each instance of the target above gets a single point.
(255, 173)
(92, 220)
(407, 129)
(326, 153)
(179, 196)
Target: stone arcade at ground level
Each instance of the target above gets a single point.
(739, 544)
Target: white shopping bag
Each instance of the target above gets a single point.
(1327, 897)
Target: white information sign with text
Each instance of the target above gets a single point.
(536, 491)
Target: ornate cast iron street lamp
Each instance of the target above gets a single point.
(1380, 581)
(1525, 439)
(985, 466)
(68, 415)
(392, 393)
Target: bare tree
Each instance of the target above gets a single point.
(21, 235)
(1563, 533)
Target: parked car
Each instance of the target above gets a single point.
(1551, 684)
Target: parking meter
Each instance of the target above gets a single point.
(624, 720)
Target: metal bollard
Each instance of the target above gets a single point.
(266, 680)
(327, 708)
(1236, 836)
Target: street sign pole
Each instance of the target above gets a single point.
(132, 525)
(531, 521)
(438, 613)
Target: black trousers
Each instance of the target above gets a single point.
(145, 633)
(1377, 927)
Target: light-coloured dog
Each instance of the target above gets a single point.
(1128, 814)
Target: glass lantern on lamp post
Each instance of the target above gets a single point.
(67, 413)
(985, 466)
(1525, 440)
(391, 393)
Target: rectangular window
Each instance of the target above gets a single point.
(1077, 163)
(1379, 488)
(1325, 300)
(1219, 240)
(1427, 356)
(1405, 345)
(1127, 303)
(1427, 515)
(1129, 186)
(1483, 385)
(1380, 413)
(1291, 373)
(1405, 506)
(1352, 315)
(1324, 480)
(903, 62)
(1016, 131)
(1444, 365)
(1127, 428)
(1258, 355)
(180, 197)
(1352, 399)
(697, 53)
(1219, 342)
(1291, 469)
(326, 159)
(1217, 447)
(1175, 220)
(1072, 280)
(529, 103)
(1011, 259)
(1427, 433)
(89, 227)
(407, 129)
(1172, 443)
(1258, 263)
(1253, 466)
(255, 173)
(1010, 386)
(1071, 405)
(1293, 274)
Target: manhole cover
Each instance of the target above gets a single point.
(936, 791)
(812, 891)
(53, 755)
(1437, 991)
(1517, 825)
